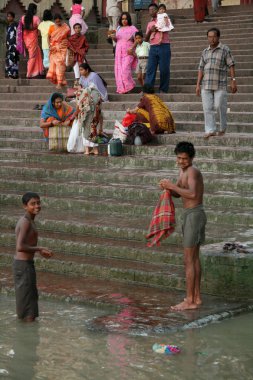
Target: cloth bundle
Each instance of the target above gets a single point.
(163, 220)
(141, 130)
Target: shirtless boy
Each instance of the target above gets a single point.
(23, 266)
(190, 188)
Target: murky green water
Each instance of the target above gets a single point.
(60, 347)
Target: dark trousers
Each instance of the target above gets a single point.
(159, 55)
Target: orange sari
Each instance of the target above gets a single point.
(30, 37)
(58, 37)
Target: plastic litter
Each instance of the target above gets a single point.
(167, 349)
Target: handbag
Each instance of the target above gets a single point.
(58, 138)
(70, 58)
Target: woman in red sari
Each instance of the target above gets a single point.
(200, 10)
(58, 42)
(30, 24)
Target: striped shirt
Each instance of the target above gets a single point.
(214, 64)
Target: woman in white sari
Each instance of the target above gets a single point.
(84, 131)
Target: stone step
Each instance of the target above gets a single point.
(144, 162)
(28, 105)
(245, 117)
(146, 194)
(168, 276)
(139, 151)
(113, 227)
(86, 246)
(75, 172)
(82, 204)
(148, 308)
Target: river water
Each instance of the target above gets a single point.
(61, 347)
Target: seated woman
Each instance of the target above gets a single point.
(88, 76)
(88, 117)
(56, 119)
(153, 111)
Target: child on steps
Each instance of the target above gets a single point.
(77, 13)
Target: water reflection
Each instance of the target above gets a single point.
(60, 347)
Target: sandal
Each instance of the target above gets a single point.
(209, 135)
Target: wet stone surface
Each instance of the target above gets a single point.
(128, 308)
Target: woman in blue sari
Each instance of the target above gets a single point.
(56, 120)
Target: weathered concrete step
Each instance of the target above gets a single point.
(173, 106)
(216, 152)
(118, 115)
(149, 307)
(167, 163)
(190, 127)
(105, 67)
(169, 276)
(115, 192)
(101, 248)
(112, 227)
(179, 115)
(109, 58)
(74, 172)
(81, 205)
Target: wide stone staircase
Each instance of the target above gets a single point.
(96, 210)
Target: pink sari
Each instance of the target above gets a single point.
(30, 37)
(124, 63)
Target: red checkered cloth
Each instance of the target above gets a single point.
(163, 220)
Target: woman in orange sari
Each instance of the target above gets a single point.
(58, 42)
(30, 24)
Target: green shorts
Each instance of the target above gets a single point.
(25, 288)
(194, 222)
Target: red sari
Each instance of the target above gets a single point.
(200, 7)
(30, 37)
(79, 46)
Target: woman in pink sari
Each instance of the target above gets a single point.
(124, 62)
(30, 24)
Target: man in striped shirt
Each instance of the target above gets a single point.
(212, 77)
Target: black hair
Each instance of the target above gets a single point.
(153, 5)
(77, 23)
(216, 30)
(185, 147)
(57, 16)
(129, 20)
(148, 89)
(11, 13)
(28, 19)
(47, 15)
(28, 196)
(55, 96)
(77, 1)
(139, 33)
(86, 66)
(162, 6)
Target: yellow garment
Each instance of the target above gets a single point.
(43, 28)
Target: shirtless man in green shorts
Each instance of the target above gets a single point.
(23, 267)
(190, 188)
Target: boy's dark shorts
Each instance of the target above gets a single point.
(25, 288)
(194, 223)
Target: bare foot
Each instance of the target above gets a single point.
(58, 87)
(185, 305)
(198, 301)
(206, 136)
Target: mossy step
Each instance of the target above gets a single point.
(111, 226)
(168, 276)
(116, 191)
(101, 247)
(71, 172)
(81, 205)
(144, 162)
(217, 152)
